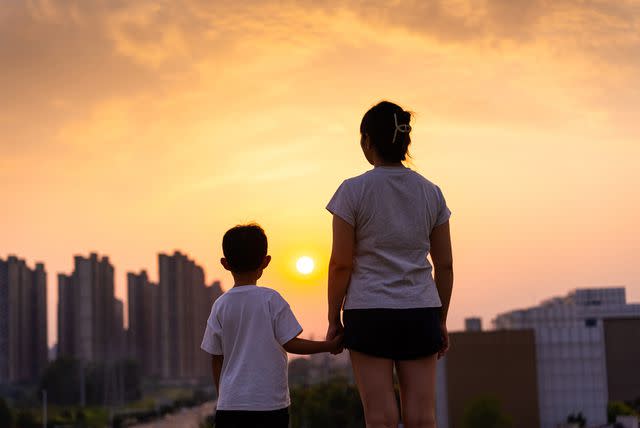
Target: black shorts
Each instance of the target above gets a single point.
(396, 334)
(252, 419)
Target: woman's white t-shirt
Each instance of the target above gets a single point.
(393, 211)
(248, 326)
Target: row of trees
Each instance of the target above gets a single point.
(81, 395)
(30, 418)
(74, 385)
(93, 417)
(337, 403)
(69, 382)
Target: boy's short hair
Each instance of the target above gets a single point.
(245, 247)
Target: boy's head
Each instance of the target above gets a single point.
(245, 249)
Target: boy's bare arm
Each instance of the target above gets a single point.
(216, 368)
(306, 347)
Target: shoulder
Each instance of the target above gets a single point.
(272, 296)
(419, 177)
(219, 303)
(362, 178)
(271, 293)
(425, 181)
(357, 181)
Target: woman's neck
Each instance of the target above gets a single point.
(381, 163)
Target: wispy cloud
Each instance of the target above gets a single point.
(169, 120)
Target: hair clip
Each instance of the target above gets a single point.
(403, 127)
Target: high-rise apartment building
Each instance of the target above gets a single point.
(143, 341)
(577, 338)
(66, 316)
(23, 321)
(119, 340)
(88, 326)
(184, 306)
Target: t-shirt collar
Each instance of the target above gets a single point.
(242, 288)
(390, 168)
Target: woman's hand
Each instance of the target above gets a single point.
(334, 331)
(445, 341)
(335, 345)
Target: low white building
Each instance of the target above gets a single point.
(570, 351)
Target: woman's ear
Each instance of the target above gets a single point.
(225, 263)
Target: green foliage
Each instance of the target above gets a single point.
(485, 412)
(61, 379)
(132, 380)
(26, 419)
(322, 405)
(104, 383)
(577, 418)
(89, 417)
(6, 418)
(618, 408)
(299, 371)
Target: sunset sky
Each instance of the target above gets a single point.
(131, 128)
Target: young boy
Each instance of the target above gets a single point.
(248, 334)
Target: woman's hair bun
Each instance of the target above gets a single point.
(388, 127)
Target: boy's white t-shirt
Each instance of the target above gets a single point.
(248, 326)
(393, 211)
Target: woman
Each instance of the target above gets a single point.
(385, 223)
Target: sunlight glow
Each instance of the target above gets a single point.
(305, 265)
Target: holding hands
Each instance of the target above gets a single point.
(335, 334)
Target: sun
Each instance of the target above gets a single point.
(305, 265)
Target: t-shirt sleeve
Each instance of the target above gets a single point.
(285, 324)
(343, 204)
(443, 210)
(212, 340)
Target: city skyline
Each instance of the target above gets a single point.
(142, 276)
(569, 351)
(577, 352)
(136, 128)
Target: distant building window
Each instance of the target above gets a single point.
(591, 322)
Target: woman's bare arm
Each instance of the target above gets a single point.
(340, 267)
(442, 257)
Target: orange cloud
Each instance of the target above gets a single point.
(131, 128)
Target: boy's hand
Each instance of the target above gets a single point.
(335, 344)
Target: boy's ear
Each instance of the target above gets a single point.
(365, 141)
(225, 264)
(265, 262)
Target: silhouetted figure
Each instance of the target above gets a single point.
(385, 223)
(249, 332)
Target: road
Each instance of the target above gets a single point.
(187, 418)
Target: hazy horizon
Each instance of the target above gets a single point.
(133, 129)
